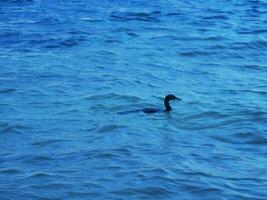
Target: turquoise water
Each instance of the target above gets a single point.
(69, 67)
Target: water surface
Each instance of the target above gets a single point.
(68, 67)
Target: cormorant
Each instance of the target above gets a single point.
(167, 100)
(168, 108)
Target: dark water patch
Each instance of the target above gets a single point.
(112, 41)
(10, 171)
(76, 32)
(93, 20)
(252, 32)
(197, 53)
(128, 31)
(248, 179)
(69, 42)
(10, 37)
(211, 38)
(251, 138)
(58, 43)
(199, 174)
(254, 91)
(40, 175)
(216, 17)
(7, 90)
(23, 41)
(258, 44)
(101, 154)
(135, 16)
(132, 34)
(44, 143)
(217, 47)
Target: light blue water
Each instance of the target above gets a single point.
(68, 67)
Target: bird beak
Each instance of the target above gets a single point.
(179, 99)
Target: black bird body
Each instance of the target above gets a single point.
(167, 100)
(168, 108)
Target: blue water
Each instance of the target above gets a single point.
(67, 68)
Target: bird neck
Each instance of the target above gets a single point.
(167, 105)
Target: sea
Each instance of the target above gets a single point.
(68, 69)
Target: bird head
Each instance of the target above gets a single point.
(172, 97)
